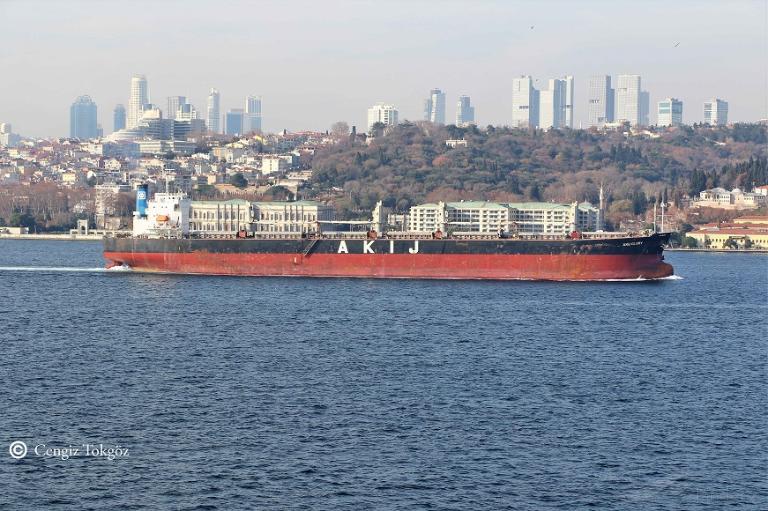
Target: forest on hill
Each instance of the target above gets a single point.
(411, 163)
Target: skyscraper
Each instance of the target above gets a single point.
(716, 112)
(628, 107)
(552, 104)
(213, 113)
(568, 121)
(465, 112)
(385, 114)
(118, 118)
(600, 109)
(252, 121)
(174, 102)
(82, 118)
(670, 112)
(645, 108)
(525, 103)
(434, 107)
(138, 100)
(234, 122)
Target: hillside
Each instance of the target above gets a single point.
(411, 163)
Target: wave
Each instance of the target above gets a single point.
(53, 269)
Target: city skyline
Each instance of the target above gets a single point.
(334, 80)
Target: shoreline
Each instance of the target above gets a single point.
(53, 236)
(720, 250)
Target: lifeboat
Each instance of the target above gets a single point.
(162, 218)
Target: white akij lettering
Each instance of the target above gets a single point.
(415, 248)
(368, 247)
(343, 248)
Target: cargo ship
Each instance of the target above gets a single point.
(162, 242)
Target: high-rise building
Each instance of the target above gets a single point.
(568, 121)
(670, 112)
(645, 108)
(385, 114)
(600, 109)
(628, 107)
(465, 112)
(525, 103)
(213, 114)
(82, 118)
(716, 112)
(434, 107)
(252, 121)
(233, 124)
(138, 100)
(118, 118)
(552, 104)
(174, 102)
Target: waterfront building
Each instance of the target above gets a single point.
(82, 119)
(747, 232)
(233, 124)
(465, 112)
(601, 98)
(290, 217)
(628, 103)
(716, 112)
(252, 120)
(552, 105)
(385, 114)
(734, 199)
(670, 112)
(220, 216)
(213, 113)
(525, 103)
(434, 107)
(491, 217)
(118, 118)
(138, 101)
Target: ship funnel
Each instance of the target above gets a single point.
(142, 194)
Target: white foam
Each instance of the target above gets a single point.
(52, 269)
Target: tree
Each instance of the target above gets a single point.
(689, 242)
(339, 130)
(238, 180)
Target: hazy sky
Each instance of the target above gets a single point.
(318, 62)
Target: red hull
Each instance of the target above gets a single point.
(427, 266)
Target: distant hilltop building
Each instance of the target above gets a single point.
(233, 122)
(82, 119)
(252, 118)
(525, 103)
(670, 112)
(118, 118)
(465, 112)
(716, 112)
(601, 98)
(213, 112)
(174, 102)
(138, 101)
(734, 199)
(7, 137)
(628, 107)
(434, 107)
(385, 114)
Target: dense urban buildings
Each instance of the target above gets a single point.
(138, 101)
(716, 112)
(381, 113)
(118, 118)
(252, 117)
(83, 119)
(600, 103)
(465, 112)
(213, 112)
(670, 112)
(174, 102)
(434, 107)
(525, 103)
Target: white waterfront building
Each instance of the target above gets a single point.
(385, 114)
(220, 216)
(482, 217)
(716, 112)
(290, 217)
(670, 112)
